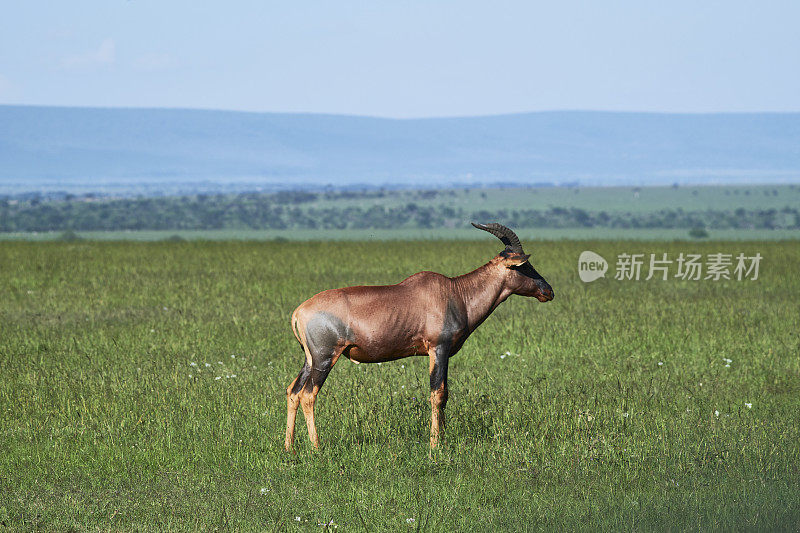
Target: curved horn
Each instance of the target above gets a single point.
(508, 237)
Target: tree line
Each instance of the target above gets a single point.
(293, 210)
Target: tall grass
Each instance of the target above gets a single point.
(142, 385)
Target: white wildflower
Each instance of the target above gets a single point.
(410, 520)
(264, 490)
(661, 363)
(218, 377)
(748, 405)
(233, 356)
(297, 518)
(716, 413)
(208, 365)
(503, 356)
(192, 364)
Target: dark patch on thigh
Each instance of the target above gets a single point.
(325, 332)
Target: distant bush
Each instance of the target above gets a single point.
(294, 197)
(69, 236)
(175, 238)
(698, 233)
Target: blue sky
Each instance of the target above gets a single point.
(405, 58)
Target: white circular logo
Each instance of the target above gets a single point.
(591, 266)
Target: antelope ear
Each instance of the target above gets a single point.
(511, 259)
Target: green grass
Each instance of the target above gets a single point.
(106, 425)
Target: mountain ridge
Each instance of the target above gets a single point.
(80, 148)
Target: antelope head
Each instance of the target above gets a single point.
(521, 277)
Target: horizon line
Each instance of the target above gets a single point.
(400, 119)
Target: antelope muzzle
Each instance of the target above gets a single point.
(545, 291)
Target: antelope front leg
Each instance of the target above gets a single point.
(438, 358)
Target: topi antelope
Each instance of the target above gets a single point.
(426, 314)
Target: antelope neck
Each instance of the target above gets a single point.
(481, 290)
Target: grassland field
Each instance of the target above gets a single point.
(142, 387)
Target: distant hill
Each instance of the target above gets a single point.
(177, 150)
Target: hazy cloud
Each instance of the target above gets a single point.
(7, 89)
(62, 33)
(155, 61)
(104, 55)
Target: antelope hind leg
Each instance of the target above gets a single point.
(293, 403)
(308, 395)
